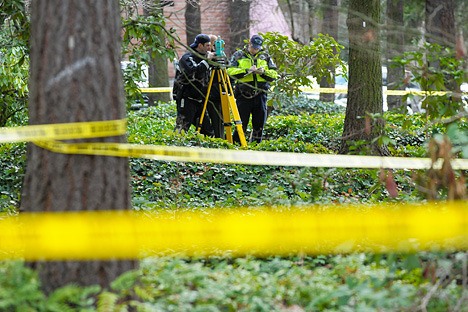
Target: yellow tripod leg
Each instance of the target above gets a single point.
(225, 108)
(237, 121)
(233, 106)
(228, 105)
(205, 103)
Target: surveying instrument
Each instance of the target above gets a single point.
(228, 102)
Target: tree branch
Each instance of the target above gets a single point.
(428, 296)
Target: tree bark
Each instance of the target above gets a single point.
(365, 78)
(395, 47)
(75, 76)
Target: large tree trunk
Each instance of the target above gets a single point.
(395, 47)
(330, 27)
(75, 77)
(239, 24)
(365, 77)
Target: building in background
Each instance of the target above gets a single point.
(265, 15)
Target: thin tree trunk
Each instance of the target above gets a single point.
(158, 71)
(330, 27)
(440, 22)
(192, 20)
(75, 77)
(240, 25)
(440, 29)
(395, 47)
(158, 77)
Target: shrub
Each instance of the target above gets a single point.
(301, 104)
(12, 166)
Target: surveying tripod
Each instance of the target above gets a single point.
(228, 105)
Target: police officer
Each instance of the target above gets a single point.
(190, 85)
(253, 70)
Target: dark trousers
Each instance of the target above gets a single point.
(214, 107)
(188, 113)
(216, 114)
(255, 106)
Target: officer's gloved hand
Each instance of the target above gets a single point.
(210, 55)
(257, 71)
(252, 69)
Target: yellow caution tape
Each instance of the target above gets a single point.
(193, 154)
(64, 131)
(414, 92)
(46, 136)
(156, 90)
(330, 90)
(388, 92)
(324, 90)
(257, 231)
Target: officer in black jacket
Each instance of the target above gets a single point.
(191, 84)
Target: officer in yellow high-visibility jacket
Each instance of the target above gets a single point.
(253, 70)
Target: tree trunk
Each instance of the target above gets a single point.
(301, 12)
(315, 20)
(365, 78)
(192, 20)
(395, 47)
(240, 25)
(440, 29)
(330, 27)
(302, 19)
(75, 77)
(158, 73)
(158, 77)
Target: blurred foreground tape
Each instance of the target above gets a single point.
(253, 231)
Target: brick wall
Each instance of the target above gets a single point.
(214, 20)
